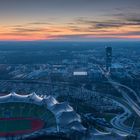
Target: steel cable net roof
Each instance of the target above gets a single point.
(67, 119)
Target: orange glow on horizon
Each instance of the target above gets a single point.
(65, 33)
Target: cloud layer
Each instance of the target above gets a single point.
(71, 20)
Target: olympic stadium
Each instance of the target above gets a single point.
(30, 115)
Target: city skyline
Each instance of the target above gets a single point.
(75, 20)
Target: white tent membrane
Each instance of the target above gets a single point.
(67, 119)
(50, 101)
(61, 107)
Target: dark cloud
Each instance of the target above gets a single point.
(94, 35)
(24, 30)
(120, 22)
(134, 19)
(40, 23)
(130, 18)
(14, 34)
(136, 33)
(101, 24)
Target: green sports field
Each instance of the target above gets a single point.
(19, 118)
(6, 126)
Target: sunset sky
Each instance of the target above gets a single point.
(69, 20)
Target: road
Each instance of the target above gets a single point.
(127, 93)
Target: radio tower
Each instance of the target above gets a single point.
(108, 58)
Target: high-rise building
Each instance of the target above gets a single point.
(108, 58)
